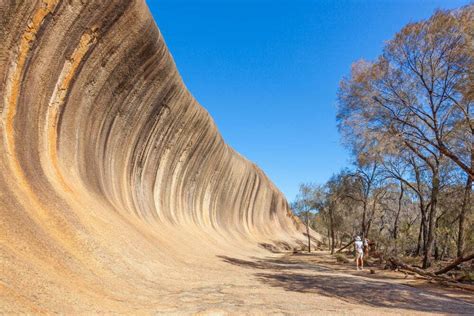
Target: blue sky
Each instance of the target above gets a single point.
(268, 71)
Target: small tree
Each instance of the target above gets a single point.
(303, 207)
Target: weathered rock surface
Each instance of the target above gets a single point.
(116, 188)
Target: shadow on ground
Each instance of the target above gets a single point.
(296, 276)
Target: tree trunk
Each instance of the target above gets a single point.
(455, 263)
(369, 221)
(422, 235)
(364, 218)
(466, 208)
(437, 255)
(400, 199)
(329, 237)
(425, 229)
(331, 221)
(445, 246)
(333, 244)
(307, 232)
(419, 248)
(432, 219)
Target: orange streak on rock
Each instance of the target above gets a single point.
(57, 100)
(11, 97)
(26, 193)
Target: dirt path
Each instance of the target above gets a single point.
(317, 284)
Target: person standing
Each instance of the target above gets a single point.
(359, 253)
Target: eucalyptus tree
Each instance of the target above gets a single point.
(416, 95)
(304, 207)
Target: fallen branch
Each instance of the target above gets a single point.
(431, 277)
(345, 246)
(455, 263)
(405, 266)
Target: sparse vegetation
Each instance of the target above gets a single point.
(407, 118)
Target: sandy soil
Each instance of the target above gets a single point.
(257, 283)
(306, 284)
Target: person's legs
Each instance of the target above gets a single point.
(362, 261)
(358, 258)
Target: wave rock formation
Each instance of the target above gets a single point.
(116, 188)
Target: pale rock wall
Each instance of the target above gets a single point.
(111, 174)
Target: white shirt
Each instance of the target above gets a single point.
(359, 246)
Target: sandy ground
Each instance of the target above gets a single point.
(307, 284)
(258, 283)
(118, 194)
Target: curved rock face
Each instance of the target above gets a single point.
(112, 176)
